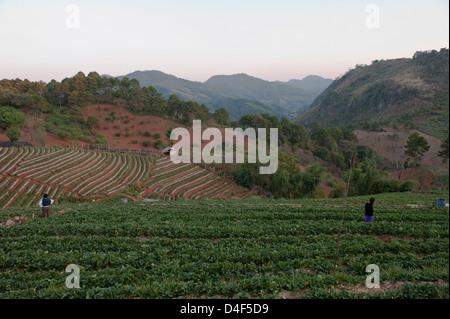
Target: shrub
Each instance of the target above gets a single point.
(409, 186)
(157, 135)
(158, 144)
(146, 143)
(62, 135)
(147, 133)
(13, 133)
(117, 134)
(134, 141)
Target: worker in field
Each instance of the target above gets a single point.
(368, 214)
(45, 203)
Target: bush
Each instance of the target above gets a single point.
(62, 135)
(409, 186)
(146, 143)
(117, 134)
(323, 154)
(13, 133)
(158, 144)
(147, 133)
(134, 141)
(157, 135)
(338, 190)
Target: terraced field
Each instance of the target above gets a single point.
(26, 173)
(171, 181)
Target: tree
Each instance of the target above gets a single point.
(312, 178)
(444, 152)
(222, 117)
(10, 116)
(158, 144)
(92, 123)
(280, 183)
(169, 132)
(416, 146)
(13, 133)
(244, 176)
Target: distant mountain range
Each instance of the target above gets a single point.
(239, 94)
(409, 91)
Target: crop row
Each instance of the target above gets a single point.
(245, 249)
(172, 181)
(26, 173)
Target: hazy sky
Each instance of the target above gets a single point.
(270, 39)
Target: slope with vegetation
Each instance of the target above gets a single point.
(313, 160)
(413, 93)
(239, 94)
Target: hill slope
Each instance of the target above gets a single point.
(66, 173)
(239, 94)
(312, 83)
(411, 91)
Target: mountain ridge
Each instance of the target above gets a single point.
(407, 91)
(232, 92)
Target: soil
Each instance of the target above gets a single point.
(390, 144)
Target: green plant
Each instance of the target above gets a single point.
(158, 144)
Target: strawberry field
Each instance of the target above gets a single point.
(27, 173)
(225, 249)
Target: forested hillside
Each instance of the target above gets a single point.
(239, 94)
(412, 92)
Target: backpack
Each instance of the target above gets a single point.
(46, 202)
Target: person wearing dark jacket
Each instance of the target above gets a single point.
(368, 214)
(45, 203)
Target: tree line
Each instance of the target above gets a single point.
(306, 153)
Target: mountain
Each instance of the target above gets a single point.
(247, 87)
(408, 91)
(168, 84)
(312, 83)
(239, 94)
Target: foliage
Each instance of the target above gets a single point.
(158, 144)
(244, 176)
(92, 123)
(13, 133)
(416, 146)
(444, 151)
(253, 249)
(395, 91)
(10, 116)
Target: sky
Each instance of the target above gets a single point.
(196, 39)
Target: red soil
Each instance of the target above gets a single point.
(390, 144)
